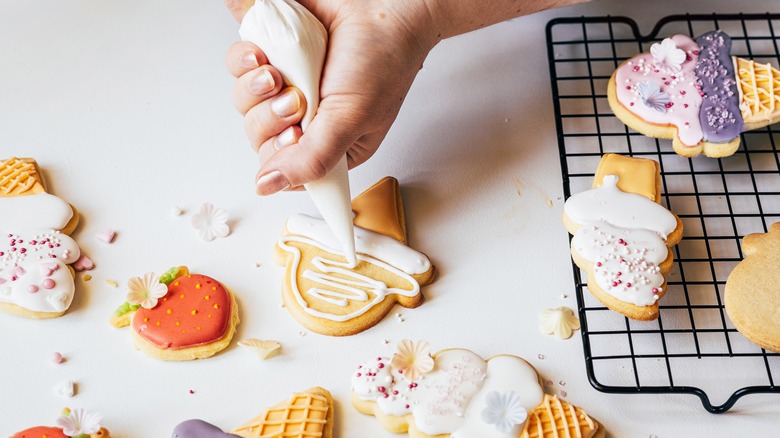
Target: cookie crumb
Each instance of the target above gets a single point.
(564, 394)
(564, 296)
(176, 211)
(386, 341)
(65, 389)
(112, 283)
(562, 383)
(257, 265)
(549, 203)
(301, 333)
(540, 356)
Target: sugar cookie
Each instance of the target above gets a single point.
(695, 94)
(328, 296)
(455, 393)
(622, 235)
(752, 296)
(178, 316)
(77, 423)
(36, 280)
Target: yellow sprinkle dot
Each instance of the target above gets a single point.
(157, 323)
(87, 277)
(165, 299)
(207, 297)
(169, 311)
(112, 283)
(176, 283)
(146, 319)
(198, 327)
(184, 331)
(189, 276)
(213, 288)
(194, 312)
(181, 296)
(177, 323)
(216, 306)
(209, 316)
(197, 285)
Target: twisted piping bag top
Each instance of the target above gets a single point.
(295, 43)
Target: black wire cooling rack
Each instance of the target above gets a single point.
(692, 348)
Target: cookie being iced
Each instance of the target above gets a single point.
(696, 94)
(622, 235)
(752, 296)
(327, 295)
(306, 414)
(457, 394)
(178, 316)
(36, 280)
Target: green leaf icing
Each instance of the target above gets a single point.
(169, 275)
(126, 308)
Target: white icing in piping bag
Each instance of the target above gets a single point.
(295, 43)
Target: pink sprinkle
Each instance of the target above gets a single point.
(48, 283)
(400, 371)
(378, 358)
(32, 288)
(192, 392)
(381, 388)
(395, 392)
(628, 87)
(631, 104)
(614, 284)
(682, 92)
(406, 406)
(628, 284)
(83, 264)
(598, 263)
(695, 52)
(381, 365)
(360, 366)
(57, 358)
(655, 290)
(666, 83)
(386, 395)
(685, 105)
(106, 236)
(358, 374)
(670, 104)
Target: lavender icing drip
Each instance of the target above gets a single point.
(720, 116)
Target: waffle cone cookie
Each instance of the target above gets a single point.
(36, 279)
(455, 393)
(623, 237)
(307, 414)
(752, 296)
(695, 94)
(328, 296)
(178, 316)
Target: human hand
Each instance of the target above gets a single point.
(373, 57)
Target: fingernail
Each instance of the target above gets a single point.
(249, 60)
(286, 138)
(271, 183)
(262, 83)
(287, 104)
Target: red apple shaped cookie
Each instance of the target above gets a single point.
(178, 316)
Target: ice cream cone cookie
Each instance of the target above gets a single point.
(457, 394)
(622, 235)
(325, 294)
(752, 295)
(77, 423)
(307, 414)
(36, 279)
(178, 316)
(695, 94)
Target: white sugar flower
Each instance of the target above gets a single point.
(504, 411)
(80, 422)
(653, 97)
(145, 290)
(413, 360)
(211, 222)
(666, 54)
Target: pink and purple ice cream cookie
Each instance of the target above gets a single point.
(696, 94)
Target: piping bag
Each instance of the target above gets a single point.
(295, 42)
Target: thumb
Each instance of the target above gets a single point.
(319, 149)
(239, 8)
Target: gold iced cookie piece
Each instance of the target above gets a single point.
(328, 296)
(307, 414)
(20, 176)
(752, 296)
(759, 90)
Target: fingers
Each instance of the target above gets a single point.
(272, 116)
(256, 86)
(239, 7)
(307, 160)
(243, 57)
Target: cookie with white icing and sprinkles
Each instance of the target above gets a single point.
(696, 94)
(178, 316)
(752, 295)
(36, 253)
(457, 394)
(623, 236)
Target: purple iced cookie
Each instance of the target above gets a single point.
(199, 429)
(720, 115)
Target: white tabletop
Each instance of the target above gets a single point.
(126, 106)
